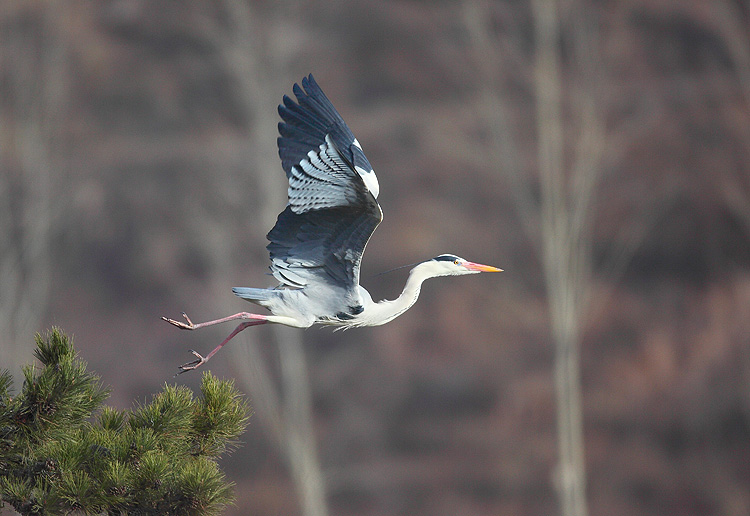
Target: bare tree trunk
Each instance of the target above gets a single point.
(35, 58)
(733, 30)
(735, 185)
(299, 429)
(258, 69)
(570, 162)
(564, 210)
(566, 247)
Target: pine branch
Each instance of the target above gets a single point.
(159, 458)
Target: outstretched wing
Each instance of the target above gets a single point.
(318, 240)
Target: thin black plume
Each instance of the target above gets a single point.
(395, 269)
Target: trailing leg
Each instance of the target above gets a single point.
(200, 360)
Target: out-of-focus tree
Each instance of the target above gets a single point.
(731, 25)
(565, 72)
(33, 105)
(734, 184)
(566, 221)
(258, 60)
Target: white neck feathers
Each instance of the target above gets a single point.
(385, 311)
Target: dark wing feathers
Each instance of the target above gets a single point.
(320, 237)
(320, 245)
(307, 123)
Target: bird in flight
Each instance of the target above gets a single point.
(317, 243)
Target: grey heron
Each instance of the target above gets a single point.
(317, 243)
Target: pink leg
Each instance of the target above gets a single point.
(191, 326)
(257, 319)
(195, 364)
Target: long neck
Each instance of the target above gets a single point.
(385, 311)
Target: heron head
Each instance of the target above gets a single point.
(452, 265)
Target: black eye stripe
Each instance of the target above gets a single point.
(446, 258)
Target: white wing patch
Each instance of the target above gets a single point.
(370, 179)
(368, 176)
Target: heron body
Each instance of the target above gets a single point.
(317, 243)
(297, 304)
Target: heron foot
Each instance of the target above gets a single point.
(181, 325)
(195, 364)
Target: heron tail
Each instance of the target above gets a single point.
(256, 295)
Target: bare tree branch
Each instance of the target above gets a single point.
(490, 107)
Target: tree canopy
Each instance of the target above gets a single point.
(63, 451)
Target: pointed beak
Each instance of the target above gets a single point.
(481, 268)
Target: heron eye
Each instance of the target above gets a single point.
(457, 261)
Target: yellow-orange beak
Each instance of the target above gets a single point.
(481, 268)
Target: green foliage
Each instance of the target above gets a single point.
(56, 457)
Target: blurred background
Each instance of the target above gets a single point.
(598, 151)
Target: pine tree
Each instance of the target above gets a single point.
(63, 452)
